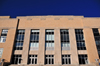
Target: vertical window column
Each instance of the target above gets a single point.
(3, 35)
(80, 39)
(65, 44)
(97, 39)
(49, 40)
(34, 40)
(19, 40)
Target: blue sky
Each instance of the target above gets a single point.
(13, 8)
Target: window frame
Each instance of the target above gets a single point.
(68, 57)
(17, 59)
(19, 39)
(80, 39)
(49, 43)
(49, 59)
(3, 34)
(97, 39)
(33, 59)
(82, 57)
(34, 44)
(65, 43)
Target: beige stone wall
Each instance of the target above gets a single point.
(41, 49)
(25, 50)
(51, 22)
(11, 25)
(90, 45)
(73, 46)
(57, 47)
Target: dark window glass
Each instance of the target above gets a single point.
(97, 39)
(66, 59)
(65, 44)
(83, 59)
(33, 59)
(16, 59)
(19, 40)
(49, 59)
(80, 39)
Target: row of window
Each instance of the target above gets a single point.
(49, 59)
(49, 39)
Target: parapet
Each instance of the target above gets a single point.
(4, 16)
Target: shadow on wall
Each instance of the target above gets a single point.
(6, 64)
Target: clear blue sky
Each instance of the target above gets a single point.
(13, 8)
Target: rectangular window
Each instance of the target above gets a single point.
(65, 44)
(83, 59)
(3, 35)
(49, 59)
(19, 40)
(17, 59)
(1, 51)
(34, 40)
(49, 40)
(80, 39)
(97, 39)
(66, 59)
(32, 59)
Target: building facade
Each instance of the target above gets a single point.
(49, 41)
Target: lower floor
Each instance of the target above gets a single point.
(96, 64)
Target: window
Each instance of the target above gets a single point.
(19, 40)
(83, 59)
(49, 59)
(97, 39)
(65, 45)
(34, 40)
(66, 59)
(49, 41)
(80, 39)
(3, 35)
(1, 51)
(17, 59)
(32, 59)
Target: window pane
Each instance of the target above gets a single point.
(80, 39)
(19, 40)
(34, 38)
(49, 41)
(82, 59)
(49, 59)
(64, 39)
(66, 59)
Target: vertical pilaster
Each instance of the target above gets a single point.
(90, 45)
(73, 46)
(99, 30)
(57, 42)
(41, 52)
(0, 31)
(25, 47)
